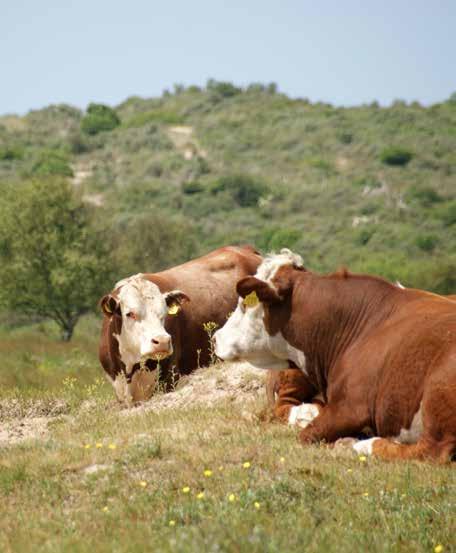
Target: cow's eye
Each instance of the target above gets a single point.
(132, 315)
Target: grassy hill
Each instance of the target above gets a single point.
(368, 187)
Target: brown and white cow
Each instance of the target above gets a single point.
(159, 318)
(383, 357)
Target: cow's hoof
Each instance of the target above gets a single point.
(303, 415)
(345, 443)
(364, 447)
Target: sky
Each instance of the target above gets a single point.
(345, 52)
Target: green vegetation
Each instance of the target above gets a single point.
(204, 478)
(396, 156)
(55, 262)
(201, 167)
(99, 118)
(52, 162)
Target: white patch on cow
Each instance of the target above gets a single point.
(302, 415)
(244, 336)
(272, 263)
(412, 435)
(399, 285)
(364, 447)
(137, 338)
(141, 388)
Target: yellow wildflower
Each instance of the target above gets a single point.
(366, 494)
(438, 548)
(87, 446)
(349, 470)
(112, 446)
(98, 444)
(208, 473)
(257, 505)
(246, 465)
(362, 458)
(105, 509)
(200, 495)
(172, 523)
(282, 459)
(231, 497)
(185, 489)
(143, 483)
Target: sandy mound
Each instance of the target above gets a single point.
(225, 381)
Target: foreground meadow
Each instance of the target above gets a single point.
(204, 474)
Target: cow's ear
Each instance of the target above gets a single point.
(174, 301)
(263, 290)
(109, 305)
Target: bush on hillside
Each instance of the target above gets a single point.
(11, 153)
(152, 242)
(447, 213)
(99, 118)
(278, 238)
(223, 89)
(426, 242)
(423, 195)
(52, 162)
(244, 189)
(396, 156)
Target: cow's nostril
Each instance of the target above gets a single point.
(154, 341)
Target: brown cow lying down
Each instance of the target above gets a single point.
(383, 357)
(159, 317)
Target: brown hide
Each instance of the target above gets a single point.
(210, 283)
(376, 352)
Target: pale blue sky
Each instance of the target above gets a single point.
(345, 52)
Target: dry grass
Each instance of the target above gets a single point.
(102, 481)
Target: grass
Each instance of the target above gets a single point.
(210, 479)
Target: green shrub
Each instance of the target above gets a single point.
(363, 236)
(10, 153)
(192, 187)
(275, 239)
(52, 162)
(244, 189)
(99, 118)
(155, 116)
(424, 195)
(447, 213)
(426, 242)
(396, 156)
(222, 89)
(345, 137)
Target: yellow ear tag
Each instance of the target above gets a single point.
(251, 300)
(173, 309)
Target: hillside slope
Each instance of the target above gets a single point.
(368, 187)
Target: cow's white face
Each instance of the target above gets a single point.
(143, 309)
(244, 335)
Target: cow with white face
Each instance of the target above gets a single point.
(153, 326)
(383, 356)
(244, 337)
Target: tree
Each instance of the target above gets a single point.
(99, 118)
(54, 261)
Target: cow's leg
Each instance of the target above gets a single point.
(294, 396)
(424, 449)
(334, 421)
